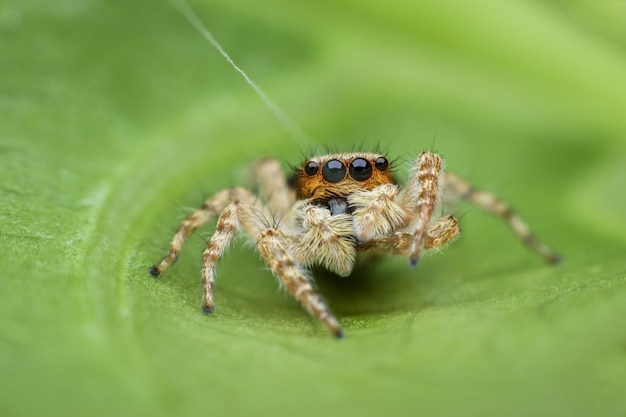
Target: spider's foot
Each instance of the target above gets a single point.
(208, 309)
(413, 261)
(155, 270)
(555, 259)
(333, 325)
(544, 251)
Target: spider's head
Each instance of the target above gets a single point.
(325, 177)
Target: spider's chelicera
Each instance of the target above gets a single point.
(335, 207)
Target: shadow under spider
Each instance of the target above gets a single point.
(373, 287)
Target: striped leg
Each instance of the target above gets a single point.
(200, 217)
(227, 225)
(492, 204)
(238, 214)
(273, 186)
(440, 233)
(421, 191)
(271, 182)
(272, 245)
(209, 210)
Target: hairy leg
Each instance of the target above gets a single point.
(420, 198)
(324, 239)
(375, 212)
(440, 233)
(237, 214)
(273, 188)
(211, 208)
(458, 187)
(272, 185)
(273, 246)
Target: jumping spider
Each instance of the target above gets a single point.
(334, 207)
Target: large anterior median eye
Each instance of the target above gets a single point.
(360, 169)
(334, 171)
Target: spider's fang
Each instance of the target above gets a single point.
(413, 262)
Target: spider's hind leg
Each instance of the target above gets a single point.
(272, 186)
(199, 218)
(462, 189)
(267, 176)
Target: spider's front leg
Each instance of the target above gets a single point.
(440, 233)
(420, 197)
(274, 245)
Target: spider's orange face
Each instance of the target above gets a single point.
(338, 175)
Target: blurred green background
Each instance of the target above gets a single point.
(117, 119)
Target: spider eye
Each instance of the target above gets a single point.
(334, 171)
(381, 163)
(311, 168)
(360, 169)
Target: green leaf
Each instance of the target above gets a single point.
(117, 119)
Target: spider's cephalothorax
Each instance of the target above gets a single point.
(335, 207)
(331, 178)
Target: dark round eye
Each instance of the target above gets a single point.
(310, 168)
(360, 169)
(381, 163)
(334, 171)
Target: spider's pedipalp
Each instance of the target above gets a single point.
(325, 239)
(375, 212)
